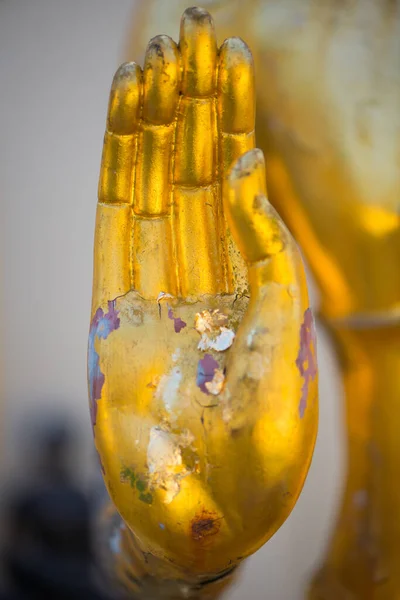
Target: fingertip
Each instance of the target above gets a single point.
(125, 99)
(195, 15)
(234, 50)
(125, 75)
(196, 20)
(236, 87)
(198, 47)
(255, 225)
(161, 80)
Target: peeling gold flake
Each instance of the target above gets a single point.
(210, 320)
(216, 384)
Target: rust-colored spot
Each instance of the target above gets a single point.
(204, 525)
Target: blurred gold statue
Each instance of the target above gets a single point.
(328, 120)
(202, 365)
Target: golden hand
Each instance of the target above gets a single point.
(202, 372)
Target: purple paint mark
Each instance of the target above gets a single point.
(306, 360)
(178, 323)
(101, 326)
(205, 372)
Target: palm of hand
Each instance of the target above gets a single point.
(201, 351)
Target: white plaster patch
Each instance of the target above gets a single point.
(221, 342)
(167, 389)
(216, 384)
(164, 460)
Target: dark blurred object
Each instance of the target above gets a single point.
(48, 547)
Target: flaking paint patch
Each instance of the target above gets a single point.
(100, 328)
(205, 372)
(164, 460)
(168, 387)
(215, 386)
(207, 320)
(212, 326)
(219, 343)
(306, 360)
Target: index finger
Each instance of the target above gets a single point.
(112, 268)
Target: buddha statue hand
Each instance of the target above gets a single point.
(202, 365)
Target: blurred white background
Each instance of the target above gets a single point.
(57, 59)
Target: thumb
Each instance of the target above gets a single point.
(255, 225)
(271, 385)
(260, 234)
